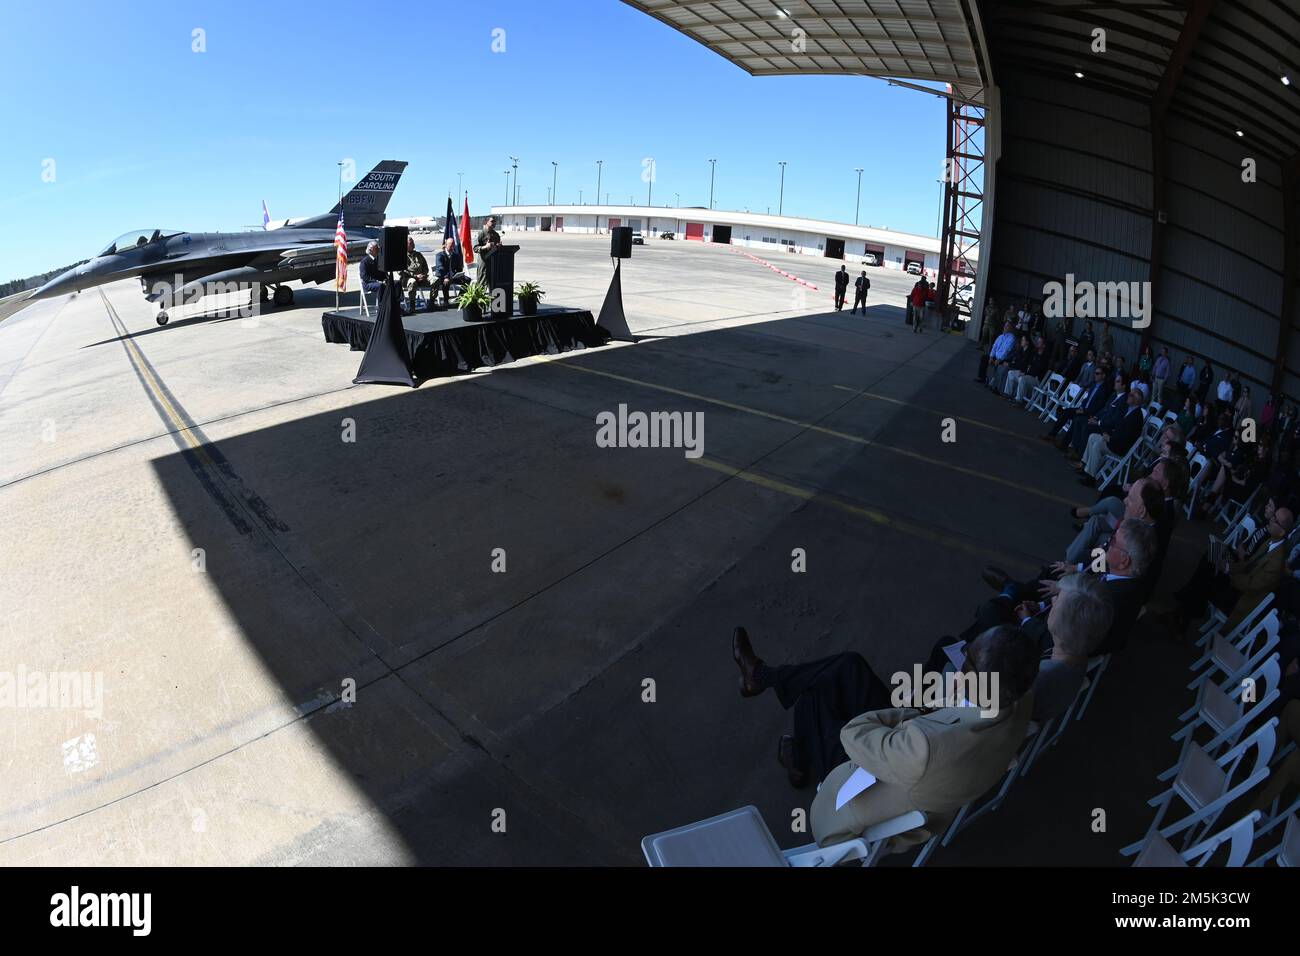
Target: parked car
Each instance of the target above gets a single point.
(966, 295)
(914, 268)
(871, 259)
(637, 240)
(667, 235)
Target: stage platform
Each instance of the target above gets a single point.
(442, 343)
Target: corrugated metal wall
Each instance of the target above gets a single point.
(1075, 196)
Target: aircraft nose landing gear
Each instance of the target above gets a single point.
(162, 317)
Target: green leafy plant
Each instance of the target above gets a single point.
(475, 296)
(530, 291)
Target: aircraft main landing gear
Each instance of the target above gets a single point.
(162, 317)
(283, 295)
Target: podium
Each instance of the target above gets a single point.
(498, 272)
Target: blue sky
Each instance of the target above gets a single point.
(143, 131)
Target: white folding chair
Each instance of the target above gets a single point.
(1052, 409)
(1199, 466)
(1205, 785)
(1241, 834)
(1237, 658)
(1224, 709)
(741, 838)
(1115, 467)
(1287, 852)
(1217, 619)
(1046, 392)
(1096, 667)
(1231, 512)
(1171, 418)
(971, 811)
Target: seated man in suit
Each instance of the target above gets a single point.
(1145, 501)
(1091, 403)
(373, 278)
(1241, 581)
(1115, 436)
(1129, 557)
(1115, 406)
(415, 275)
(933, 760)
(446, 271)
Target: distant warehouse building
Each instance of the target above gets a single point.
(809, 237)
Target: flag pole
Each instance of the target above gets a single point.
(336, 278)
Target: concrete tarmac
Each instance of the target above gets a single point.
(339, 624)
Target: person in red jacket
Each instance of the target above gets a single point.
(919, 294)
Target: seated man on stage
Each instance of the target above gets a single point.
(415, 275)
(373, 278)
(446, 271)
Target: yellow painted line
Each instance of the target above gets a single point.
(859, 511)
(934, 411)
(844, 436)
(152, 383)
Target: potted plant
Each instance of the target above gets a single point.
(474, 301)
(529, 294)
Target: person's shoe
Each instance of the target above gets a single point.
(747, 661)
(785, 757)
(995, 578)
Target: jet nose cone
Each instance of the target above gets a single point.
(60, 284)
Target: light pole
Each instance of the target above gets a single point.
(858, 202)
(514, 164)
(780, 203)
(713, 168)
(555, 178)
(679, 200)
(650, 183)
(579, 197)
(938, 217)
(599, 163)
(507, 187)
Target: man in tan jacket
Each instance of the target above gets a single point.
(1261, 571)
(934, 760)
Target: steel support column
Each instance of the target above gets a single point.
(963, 198)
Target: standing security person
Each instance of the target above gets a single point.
(861, 286)
(841, 287)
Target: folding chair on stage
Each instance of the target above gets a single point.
(741, 838)
(1205, 785)
(1046, 392)
(1225, 711)
(1241, 835)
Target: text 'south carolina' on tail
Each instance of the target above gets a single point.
(365, 203)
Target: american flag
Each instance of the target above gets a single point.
(341, 257)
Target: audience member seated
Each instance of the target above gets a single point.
(446, 271)
(931, 760)
(1090, 404)
(1129, 558)
(1145, 501)
(1080, 431)
(1035, 372)
(1116, 432)
(999, 354)
(1241, 581)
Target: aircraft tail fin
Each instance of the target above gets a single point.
(365, 203)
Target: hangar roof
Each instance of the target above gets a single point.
(925, 40)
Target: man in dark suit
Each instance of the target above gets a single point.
(1115, 436)
(1115, 406)
(1093, 401)
(1129, 558)
(841, 287)
(445, 271)
(373, 278)
(861, 286)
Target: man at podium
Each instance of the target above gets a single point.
(487, 243)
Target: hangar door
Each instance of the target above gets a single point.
(834, 248)
(695, 230)
(911, 255)
(722, 234)
(615, 223)
(873, 255)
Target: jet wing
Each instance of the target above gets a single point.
(314, 257)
